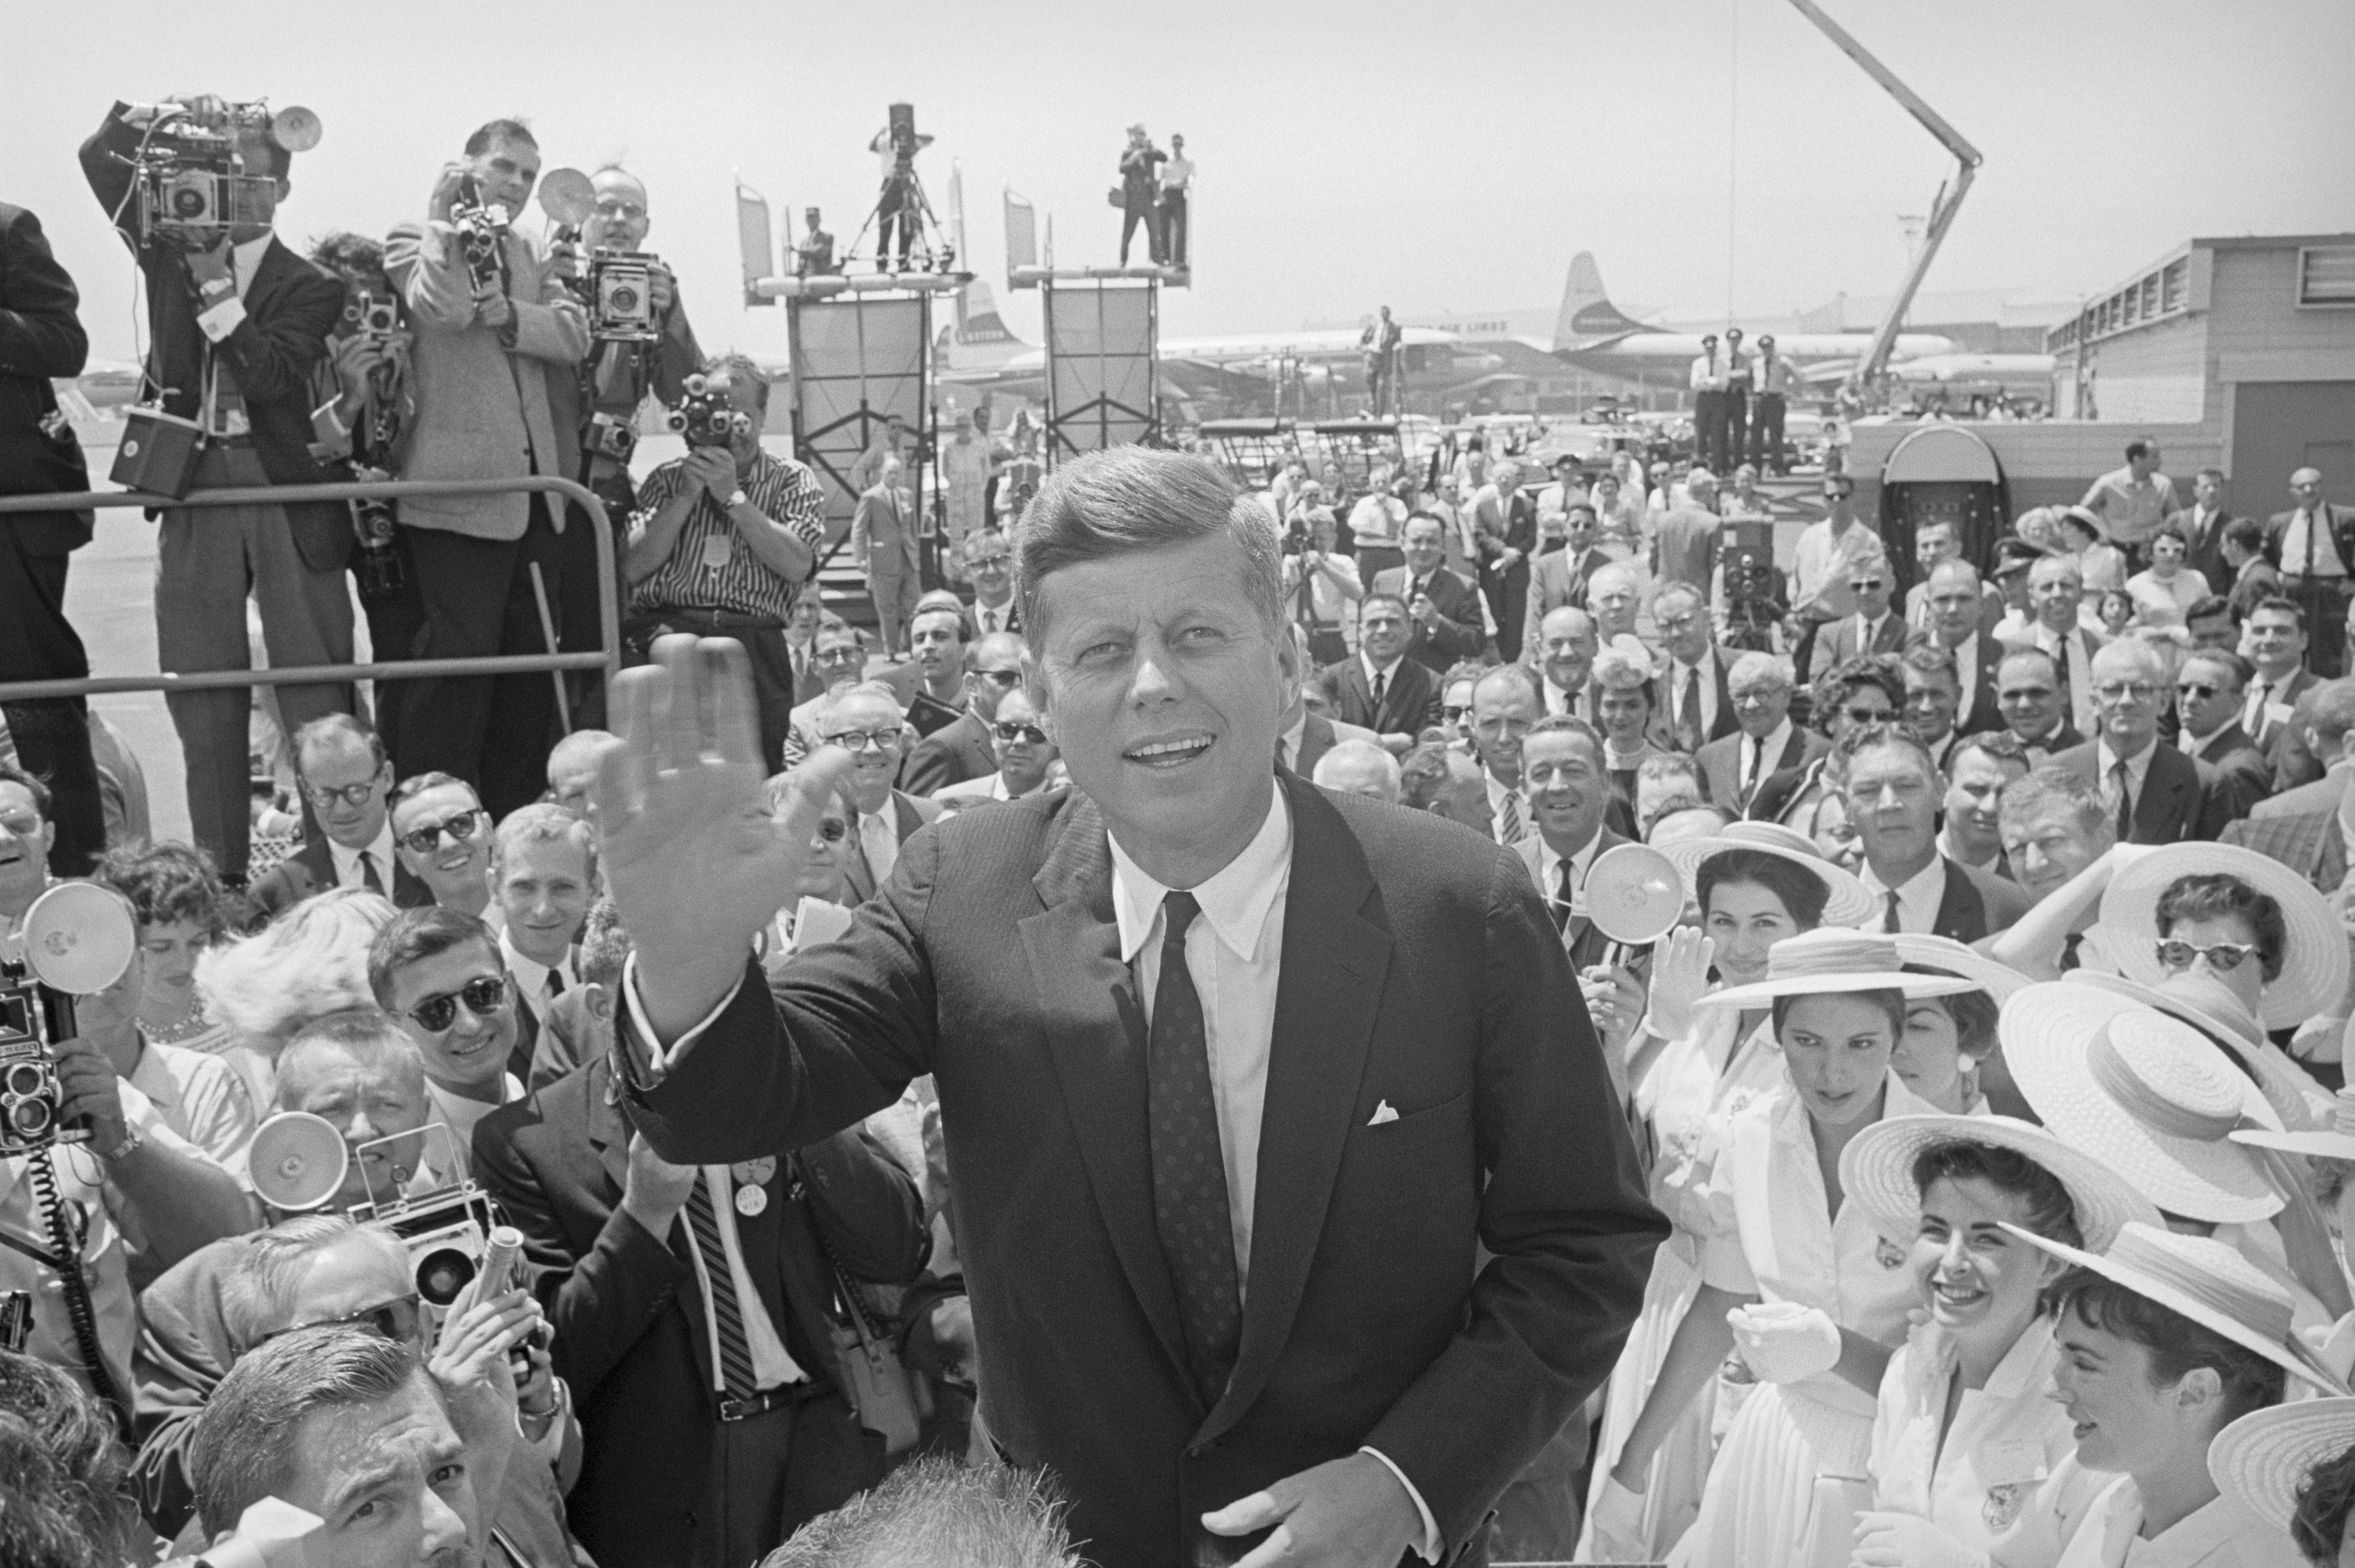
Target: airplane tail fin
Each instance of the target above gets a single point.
(1587, 315)
(978, 317)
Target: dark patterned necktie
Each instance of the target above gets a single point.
(2125, 802)
(1189, 1173)
(735, 1376)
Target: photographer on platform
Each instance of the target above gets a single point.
(41, 336)
(238, 321)
(495, 328)
(722, 542)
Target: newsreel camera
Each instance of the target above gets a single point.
(77, 941)
(705, 417)
(482, 230)
(192, 184)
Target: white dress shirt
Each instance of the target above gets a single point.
(1679, 672)
(2077, 669)
(1549, 868)
(1918, 896)
(531, 975)
(878, 838)
(989, 618)
(2307, 531)
(2137, 770)
(459, 1114)
(347, 861)
(1966, 673)
(773, 1365)
(1560, 700)
(1755, 759)
(1389, 673)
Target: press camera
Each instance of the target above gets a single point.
(78, 940)
(445, 1227)
(192, 184)
(705, 417)
(613, 435)
(617, 286)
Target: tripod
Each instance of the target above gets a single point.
(903, 205)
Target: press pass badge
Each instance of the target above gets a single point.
(718, 551)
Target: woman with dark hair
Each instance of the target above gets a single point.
(182, 908)
(62, 1462)
(1792, 1271)
(2165, 1341)
(1951, 1042)
(1967, 1431)
(1867, 689)
(1755, 884)
(2293, 1466)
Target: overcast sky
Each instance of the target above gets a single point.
(1433, 158)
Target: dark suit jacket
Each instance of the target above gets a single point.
(2244, 770)
(1720, 764)
(2256, 582)
(1977, 902)
(2181, 796)
(312, 869)
(2307, 842)
(912, 814)
(1460, 630)
(1419, 974)
(1661, 732)
(950, 754)
(41, 336)
(2063, 739)
(1837, 643)
(2204, 548)
(1555, 579)
(1579, 939)
(290, 306)
(1985, 712)
(629, 1316)
(1410, 698)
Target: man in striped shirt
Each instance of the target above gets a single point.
(722, 542)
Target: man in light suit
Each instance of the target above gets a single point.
(1559, 577)
(2300, 827)
(486, 349)
(1874, 628)
(2313, 546)
(1046, 961)
(1444, 608)
(864, 722)
(2167, 797)
(1766, 743)
(883, 543)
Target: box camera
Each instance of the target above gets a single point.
(78, 940)
(158, 451)
(613, 435)
(446, 1227)
(15, 1320)
(621, 296)
(704, 416)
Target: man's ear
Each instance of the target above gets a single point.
(598, 1000)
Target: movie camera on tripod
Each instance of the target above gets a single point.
(192, 184)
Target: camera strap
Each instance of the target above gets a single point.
(50, 1260)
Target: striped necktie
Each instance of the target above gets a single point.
(736, 1377)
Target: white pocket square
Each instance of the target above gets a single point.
(1382, 1113)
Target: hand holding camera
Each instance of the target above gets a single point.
(491, 306)
(90, 1095)
(471, 1360)
(714, 468)
(662, 289)
(446, 191)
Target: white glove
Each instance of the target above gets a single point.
(1618, 1524)
(1784, 1342)
(1909, 1540)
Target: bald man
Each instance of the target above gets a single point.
(620, 372)
(2313, 544)
(2152, 793)
(1359, 767)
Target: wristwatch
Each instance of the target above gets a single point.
(133, 1140)
(738, 499)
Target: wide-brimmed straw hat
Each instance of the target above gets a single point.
(1997, 979)
(1831, 959)
(2207, 1282)
(2314, 962)
(2262, 1459)
(1877, 1170)
(1849, 902)
(2144, 1093)
(2084, 514)
(2204, 1002)
(2334, 1140)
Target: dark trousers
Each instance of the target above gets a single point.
(1736, 439)
(1766, 438)
(1173, 228)
(2324, 600)
(1138, 211)
(396, 620)
(1507, 593)
(493, 731)
(764, 642)
(1709, 427)
(775, 1472)
(582, 629)
(896, 210)
(52, 736)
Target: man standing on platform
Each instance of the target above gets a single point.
(1734, 440)
(1177, 190)
(2313, 545)
(1708, 382)
(2133, 501)
(1775, 378)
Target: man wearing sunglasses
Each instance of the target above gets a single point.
(1026, 757)
(866, 723)
(442, 977)
(443, 836)
(344, 772)
(960, 752)
(2209, 691)
(1873, 628)
(2154, 794)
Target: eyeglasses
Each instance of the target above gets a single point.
(1004, 680)
(482, 996)
(985, 562)
(325, 795)
(1867, 715)
(1864, 584)
(2024, 693)
(1453, 715)
(841, 653)
(459, 828)
(401, 1320)
(22, 823)
(2120, 690)
(2198, 690)
(628, 210)
(2222, 956)
(1009, 731)
(832, 830)
(860, 740)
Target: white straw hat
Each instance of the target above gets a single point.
(2207, 1282)
(1849, 902)
(1877, 1170)
(2203, 1002)
(2314, 962)
(1832, 958)
(2262, 1459)
(1998, 980)
(2333, 1139)
(2144, 1093)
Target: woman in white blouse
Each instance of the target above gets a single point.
(1794, 1274)
(1967, 1433)
(2164, 594)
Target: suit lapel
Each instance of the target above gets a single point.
(1094, 1025)
(1334, 964)
(2158, 814)
(1961, 912)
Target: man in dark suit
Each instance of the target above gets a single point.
(342, 768)
(1952, 604)
(2202, 525)
(1696, 700)
(1380, 689)
(864, 721)
(41, 336)
(2313, 546)
(2155, 793)
(1444, 608)
(1111, 1203)
(1505, 528)
(958, 751)
(988, 562)
(1559, 577)
(2278, 637)
(2325, 715)
(1875, 628)
(2248, 578)
(238, 321)
(2210, 688)
(2028, 691)
(1686, 540)
(2300, 826)
(1766, 743)
(1894, 790)
(692, 1457)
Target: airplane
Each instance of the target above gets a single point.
(1592, 332)
(103, 384)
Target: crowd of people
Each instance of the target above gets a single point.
(1144, 1073)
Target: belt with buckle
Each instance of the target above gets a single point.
(767, 1400)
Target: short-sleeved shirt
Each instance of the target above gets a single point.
(710, 566)
(2133, 510)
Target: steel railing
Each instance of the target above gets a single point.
(609, 620)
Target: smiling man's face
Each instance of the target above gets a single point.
(24, 839)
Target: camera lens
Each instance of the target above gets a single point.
(443, 1274)
(188, 202)
(30, 1118)
(24, 1079)
(624, 300)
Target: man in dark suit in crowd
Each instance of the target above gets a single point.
(1953, 604)
(341, 767)
(2313, 546)
(1696, 700)
(1685, 542)
(1417, 1102)
(2155, 794)
(2300, 826)
(2210, 688)
(2028, 694)
(988, 562)
(1875, 628)
(864, 722)
(713, 1417)
(1559, 577)
(1444, 608)
(1894, 793)
(2278, 635)
(1380, 689)
(1567, 793)
(1505, 526)
(961, 751)
(2248, 578)
(238, 321)
(2202, 525)
(41, 336)
(1765, 744)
